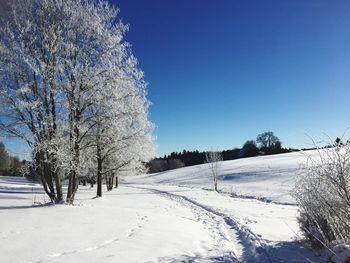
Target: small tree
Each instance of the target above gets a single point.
(213, 158)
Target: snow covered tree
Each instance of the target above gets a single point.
(122, 136)
(64, 65)
(213, 158)
(29, 41)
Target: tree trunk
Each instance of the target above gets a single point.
(59, 193)
(109, 183)
(73, 177)
(69, 191)
(46, 189)
(72, 187)
(112, 183)
(57, 179)
(116, 181)
(99, 171)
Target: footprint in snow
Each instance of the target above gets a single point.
(131, 233)
(143, 219)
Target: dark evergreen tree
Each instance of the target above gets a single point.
(249, 149)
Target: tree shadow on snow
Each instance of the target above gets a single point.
(19, 191)
(283, 252)
(26, 206)
(293, 252)
(253, 176)
(197, 258)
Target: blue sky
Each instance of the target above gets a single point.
(220, 72)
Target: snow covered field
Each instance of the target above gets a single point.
(271, 177)
(165, 217)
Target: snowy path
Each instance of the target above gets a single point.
(231, 234)
(233, 217)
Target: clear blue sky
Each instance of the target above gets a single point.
(220, 72)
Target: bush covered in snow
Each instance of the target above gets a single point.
(323, 194)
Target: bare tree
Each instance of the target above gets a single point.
(267, 139)
(213, 158)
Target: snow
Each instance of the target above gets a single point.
(271, 177)
(147, 220)
(340, 252)
(110, 229)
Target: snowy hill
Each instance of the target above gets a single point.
(271, 177)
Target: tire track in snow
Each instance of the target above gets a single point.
(254, 249)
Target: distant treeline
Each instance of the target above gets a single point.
(10, 165)
(265, 144)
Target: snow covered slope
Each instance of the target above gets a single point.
(271, 177)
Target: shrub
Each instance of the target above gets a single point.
(323, 195)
